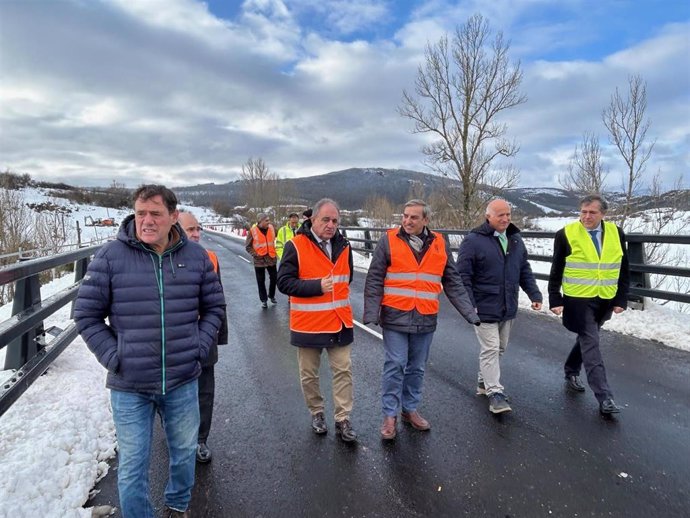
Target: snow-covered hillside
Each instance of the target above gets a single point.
(82, 213)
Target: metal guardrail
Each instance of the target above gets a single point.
(65, 247)
(640, 286)
(30, 348)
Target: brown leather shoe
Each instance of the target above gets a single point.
(416, 420)
(388, 431)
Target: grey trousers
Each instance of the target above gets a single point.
(493, 339)
(586, 350)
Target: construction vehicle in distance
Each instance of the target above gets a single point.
(99, 222)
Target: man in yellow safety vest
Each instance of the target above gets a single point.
(590, 266)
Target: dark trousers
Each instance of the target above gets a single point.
(586, 349)
(207, 387)
(261, 281)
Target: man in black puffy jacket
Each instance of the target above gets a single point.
(492, 261)
(164, 306)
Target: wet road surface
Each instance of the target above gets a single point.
(554, 455)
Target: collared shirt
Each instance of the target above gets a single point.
(598, 234)
(327, 241)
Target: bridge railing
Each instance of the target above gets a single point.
(364, 240)
(30, 347)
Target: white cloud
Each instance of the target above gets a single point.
(130, 89)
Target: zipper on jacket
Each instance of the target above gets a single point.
(159, 280)
(162, 302)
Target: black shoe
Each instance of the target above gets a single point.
(344, 430)
(273, 300)
(203, 454)
(608, 407)
(318, 424)
(498, 404)
(264, 304)
(573, 383)
(172, 513)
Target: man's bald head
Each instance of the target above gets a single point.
(190, 225)
(498, 215)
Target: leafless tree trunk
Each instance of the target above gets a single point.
(460, 90)
(380, 210)
(260, 184)
(627, 126)
(586, 173)
(666, 217)
(16, 228)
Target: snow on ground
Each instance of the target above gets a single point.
(81, 212)
(58, 436)
(547, 210)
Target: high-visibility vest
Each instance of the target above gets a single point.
(586, 274)
(329, 312)
(264, 243)
(411, 285)
(214, 260)
(285, 234)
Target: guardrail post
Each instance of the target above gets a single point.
(636, 254)
(27, 293)
(80, 267)
(368, 245)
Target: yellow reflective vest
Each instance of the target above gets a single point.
(586, 274)
(285, 234)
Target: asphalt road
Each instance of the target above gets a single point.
(554, 455)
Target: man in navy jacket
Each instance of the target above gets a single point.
(164, 306)
(492, 261)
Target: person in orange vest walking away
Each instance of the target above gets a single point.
(207, 380)
(410, 267)
(316, 272)
(261, 245)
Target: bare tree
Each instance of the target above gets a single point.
(666, 216)
(586, 173)
(260, 184)
(460, 90)
(625, 120)
(16, 229)
(380, 210)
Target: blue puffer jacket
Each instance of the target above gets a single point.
(493, 278)
(163, 311)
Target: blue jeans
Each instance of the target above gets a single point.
(133, 413)
(403, 370)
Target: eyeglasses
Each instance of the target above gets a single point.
(192, 229)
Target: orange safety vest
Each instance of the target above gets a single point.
(411, 285)
(329, 312)
(214, 259)
(264, 243)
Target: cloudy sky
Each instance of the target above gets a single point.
(183, 92)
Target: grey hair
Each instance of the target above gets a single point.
(261, 216)
(591, 198)
(324, 201)
(426, 210)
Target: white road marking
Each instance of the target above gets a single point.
(368, 330)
